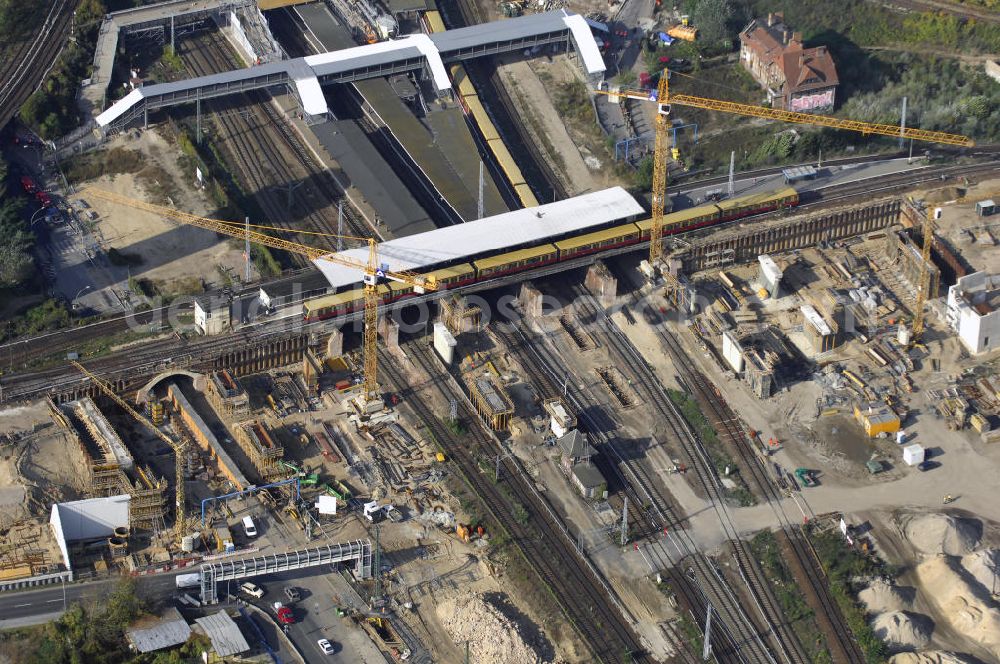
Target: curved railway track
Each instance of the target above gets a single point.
(541, 536)
(693, 576)
(26, 68)
(845, 647)
(537, 171)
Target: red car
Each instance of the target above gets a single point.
(28, 184)
(44, 199)
(284, 614)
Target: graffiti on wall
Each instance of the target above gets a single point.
(809, 102)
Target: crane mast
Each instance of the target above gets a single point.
(925, 275)
(179, 447)
(372, 273)
(664, 100)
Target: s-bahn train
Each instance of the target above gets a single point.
(573, 246)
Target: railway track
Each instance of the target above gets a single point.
(26, 68)
(664, 540)
(845, 647)
(541, 537)
(493, 94)
(259, 130)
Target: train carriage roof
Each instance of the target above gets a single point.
(490, 234)
(755, 199)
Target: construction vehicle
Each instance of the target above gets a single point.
(664, 100)
(310, 479)
(372, 272)
(806, 477)
(683, 30)
(178, 446)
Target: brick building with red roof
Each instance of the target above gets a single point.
(795, 78)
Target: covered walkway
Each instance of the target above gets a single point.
(305, 76)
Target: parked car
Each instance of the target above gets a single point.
(28, 184)
(252, 589)
(284, 614)
(293, 594)
(43, 198)
(927, 465)
(327, 647)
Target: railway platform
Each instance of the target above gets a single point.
(149, 22)
(440, 144)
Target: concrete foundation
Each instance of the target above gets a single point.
(335, 344)
(530, 299)
(601, 283)
(388, 329)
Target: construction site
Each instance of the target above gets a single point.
(449, 388)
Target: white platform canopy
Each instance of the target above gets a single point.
(482, 236)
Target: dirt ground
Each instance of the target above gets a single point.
(975, 237)
(171, 252)
(39, 465)
(578, 160)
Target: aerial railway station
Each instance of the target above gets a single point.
(614, 438)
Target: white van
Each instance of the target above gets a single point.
(248, 528)
(252, 589)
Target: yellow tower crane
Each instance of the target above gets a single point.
(925, 274)
(662, 97)
(179, 447)
(372, 273)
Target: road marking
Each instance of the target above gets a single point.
(49, 601)
(18, 606)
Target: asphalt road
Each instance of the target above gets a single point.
(38, 605)
(315, 613)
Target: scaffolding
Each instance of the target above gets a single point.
(492, 402)
(227, 395)
(261, 448)
(112, 468)
(148, 507)
(459, 316)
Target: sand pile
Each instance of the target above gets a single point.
(943, 533)
(929, 657)
(985, 567)
(492, 636)
(881, 596)
(900, 629)
(969, 610)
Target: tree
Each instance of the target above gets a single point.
(712, 17)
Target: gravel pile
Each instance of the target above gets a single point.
(985, 567)
(966, 609)
(902, 630)
(929, 657)
(881, 597)
(942, 533)
(492, 636)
